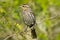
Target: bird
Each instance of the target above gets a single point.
(29, 18)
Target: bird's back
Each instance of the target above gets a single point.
(29, 18)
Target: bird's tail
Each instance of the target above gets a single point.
(33, 33)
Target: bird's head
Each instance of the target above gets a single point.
(25, 7)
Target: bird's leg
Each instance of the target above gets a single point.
(25, 29)
(32, 28)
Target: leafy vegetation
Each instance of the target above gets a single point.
(47, 13)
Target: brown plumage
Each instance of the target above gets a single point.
(29, 18)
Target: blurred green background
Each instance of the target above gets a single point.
(47, 13)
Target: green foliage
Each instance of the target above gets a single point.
(11, 19)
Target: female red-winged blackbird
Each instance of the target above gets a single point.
(29, 18)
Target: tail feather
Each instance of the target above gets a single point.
(33, 33)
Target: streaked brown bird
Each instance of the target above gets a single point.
(29, 18)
